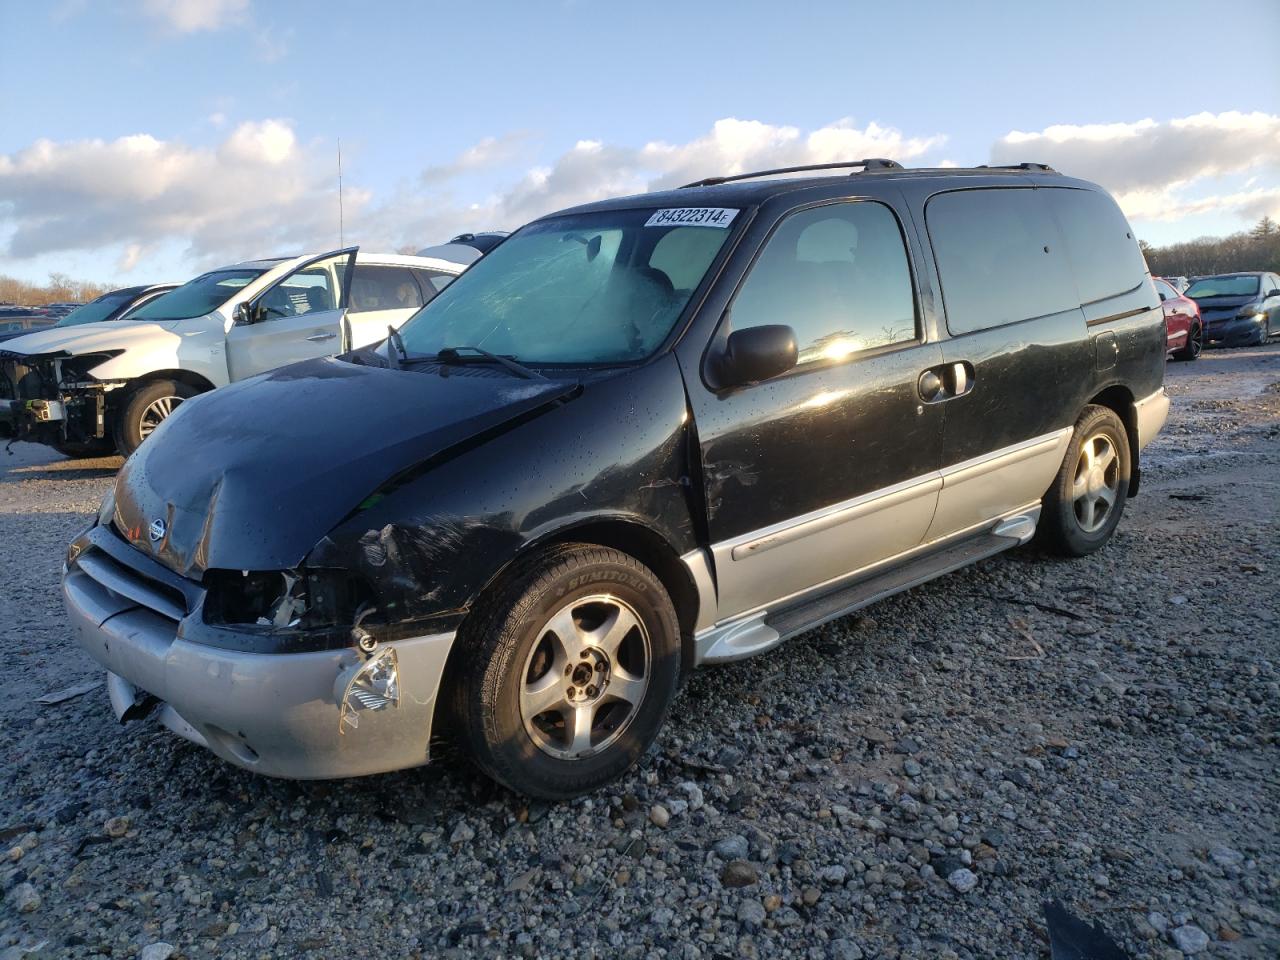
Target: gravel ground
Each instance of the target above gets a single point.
(912, 782)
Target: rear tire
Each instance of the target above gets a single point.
(1087, 499)
(145, 407)
(567, 670)
(1194, 346)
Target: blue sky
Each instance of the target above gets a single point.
(149, 138)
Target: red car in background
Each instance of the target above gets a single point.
(1184, 331)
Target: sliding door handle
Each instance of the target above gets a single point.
(945, 381)
(314, 338)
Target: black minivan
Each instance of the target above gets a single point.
(638, 436)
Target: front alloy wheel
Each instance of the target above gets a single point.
(564, 670)
(156, 411)
(585, 678)
(145, 407)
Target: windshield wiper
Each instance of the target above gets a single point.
(396, 353)
(454, 355)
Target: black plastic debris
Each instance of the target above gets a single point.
(1070, 938)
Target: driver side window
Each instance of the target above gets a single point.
(307, 291)
(838, 276)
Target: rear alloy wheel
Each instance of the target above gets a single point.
(565, 671)
(1087, 499)
(145, 408)
(1194, 344)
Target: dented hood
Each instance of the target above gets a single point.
(250, 476)
(88, 337)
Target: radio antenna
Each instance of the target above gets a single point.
(341, 239)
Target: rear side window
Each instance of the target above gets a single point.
(1100, 245)
(998, 258)
(383, 288)
(1166, 291)
(432, 282)
(838, 275)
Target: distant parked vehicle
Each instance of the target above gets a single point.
(102, 386)
(466, 247)
(1238, 309)
(1184, 330)
(1178, 283)
(116, 305)
(16, 321)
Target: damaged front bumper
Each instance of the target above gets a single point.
(41, 402)
(22, 418)
(1236, 331)
(279, 714)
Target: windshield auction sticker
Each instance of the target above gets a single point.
(692, 217)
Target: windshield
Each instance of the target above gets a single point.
(198, 297)
(96, 310)
(1223, 287)
(596, 288)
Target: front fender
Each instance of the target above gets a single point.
(617, 454)
(199, 347)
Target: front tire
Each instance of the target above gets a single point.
(1194, 345)
(85, 449)
(567, 670)
(1263, 335)
(1085, 503)
(145, 407)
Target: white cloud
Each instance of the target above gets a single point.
(256, 192)
(1161, 170)
(488, 152)
(191, 16)
(592, 170)
(262, 191)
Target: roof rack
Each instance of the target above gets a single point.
(1043, 167)
(872, 163)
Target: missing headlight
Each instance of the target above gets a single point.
(76, 369)
(284, 599)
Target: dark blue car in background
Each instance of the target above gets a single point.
(1238, 309)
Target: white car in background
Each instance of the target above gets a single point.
(88, 389)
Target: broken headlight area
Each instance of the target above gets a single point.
(370, 685)
(290, 599)
(107, 508)
(74, 371)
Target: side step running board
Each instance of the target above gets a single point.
(766, 629)
(813, 613)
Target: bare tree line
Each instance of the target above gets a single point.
(60, 289)
(1255, 249)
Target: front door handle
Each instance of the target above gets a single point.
(945, 381)
(321, 336)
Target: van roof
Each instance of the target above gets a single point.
(753, 188)
(386, 259)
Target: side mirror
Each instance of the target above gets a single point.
(242, 315)
(1273, 293)
(756, 354)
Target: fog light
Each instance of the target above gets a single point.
(371, 685)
